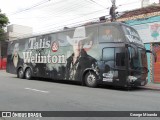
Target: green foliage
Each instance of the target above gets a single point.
(3, 23)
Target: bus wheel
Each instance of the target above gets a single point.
(28, 73)
(91, 79)
(20, 73)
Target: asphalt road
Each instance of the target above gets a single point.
(40, 95)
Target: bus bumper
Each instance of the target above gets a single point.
(136, 81)
(139, 82)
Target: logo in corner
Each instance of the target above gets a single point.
(55, 47)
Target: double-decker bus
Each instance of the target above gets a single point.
(104, 53)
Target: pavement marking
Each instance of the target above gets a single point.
(37, 90)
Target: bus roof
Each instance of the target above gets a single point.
(68, 29)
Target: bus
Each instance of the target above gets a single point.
(104, 53)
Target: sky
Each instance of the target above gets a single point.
(48, 15)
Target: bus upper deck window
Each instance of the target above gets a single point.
(110, 34)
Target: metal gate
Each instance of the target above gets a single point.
(3, 54)
(156, 48)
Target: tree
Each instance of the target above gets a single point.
(3, 23)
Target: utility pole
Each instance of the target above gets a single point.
(113, 11)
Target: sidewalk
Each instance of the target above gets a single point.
(152, 86)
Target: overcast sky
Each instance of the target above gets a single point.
(46, 15)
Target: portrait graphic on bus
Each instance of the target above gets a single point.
(15, 54)
(79, 60)
(14, 59)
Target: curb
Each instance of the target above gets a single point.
(151, 87)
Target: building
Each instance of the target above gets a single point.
(17, 31)
(13, 32)
(144, 3)
(147, 22)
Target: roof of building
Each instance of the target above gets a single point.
(141, 11)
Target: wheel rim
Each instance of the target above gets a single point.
(91, 79)
(20, 73)
(28, 73)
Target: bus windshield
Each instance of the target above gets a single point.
(139, 62)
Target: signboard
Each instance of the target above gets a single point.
(149, 32)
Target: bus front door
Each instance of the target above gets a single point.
(115, 65)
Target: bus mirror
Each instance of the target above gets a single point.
(154, 54)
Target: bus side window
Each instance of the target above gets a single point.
(109, 57)
(110, 34)
(108, 54)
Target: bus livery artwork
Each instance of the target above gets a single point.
(14, 60)
(79, 60)
(30, 57)
(93, 54)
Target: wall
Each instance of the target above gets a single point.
(16, 31)
(150, 77)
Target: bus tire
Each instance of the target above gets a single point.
(28, 74)
(91, 79)
(20, 73)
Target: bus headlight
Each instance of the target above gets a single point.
(132, 78)
(110, 75)
(105, 74)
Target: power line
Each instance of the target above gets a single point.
(53, 15)
(97, 3)
(69, 9)
(73, 7)
(60, 27)
(64, 10)
(71, 24)
(53, 25)
(38, 5)
(83, 16)
(79, 17)
(63, 15)
(53, 30)
(35, 5)
(54, 3)
(74, 18)
(128, 3)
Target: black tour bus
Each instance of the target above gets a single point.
(110, 53)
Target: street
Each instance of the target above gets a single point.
(40, 95)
